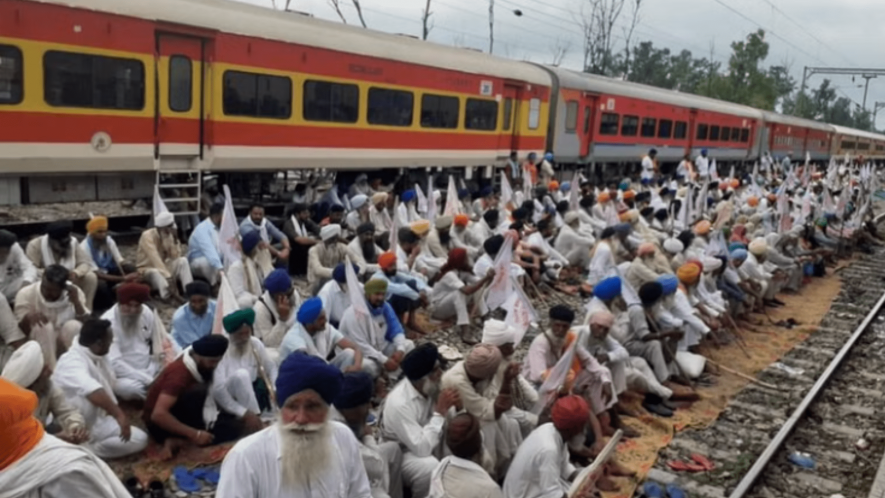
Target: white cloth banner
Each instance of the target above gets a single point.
(229, 233)
(502, 285)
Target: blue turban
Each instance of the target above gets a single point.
(565, 187)
(608, 288)
(300, 372)
(669, 282)
(408, 195)
(250, 240)
(357, 389)
(462, 193)
(486, 191)
(734, 246)
(548, 157)
(278, 282)
(624, 185)
(340, 272)
(704, 152)
(739, 254)
(310, 310)
(623, 228)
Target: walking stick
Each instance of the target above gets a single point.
(664, 344)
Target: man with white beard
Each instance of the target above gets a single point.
(414, 414)
(303, 454)
(140, 342)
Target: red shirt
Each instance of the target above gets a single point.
(173, 380)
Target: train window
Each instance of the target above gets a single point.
(735, 134)
(608, 124)
(11, 75)
(508, 113)
(714, 133)
(665, 128)
(94, 81)
(588, 115)
(745, 135)
(679, 131)
(335, 102)
(630, 126)
(390, 107)
(180, 83)
(648, 127)
(863, 146)
(571, 116)
(847, 145)
(257, 95)
(534, 114)
(702, 131)
(439, 112)
(725, 133)
(481, 115)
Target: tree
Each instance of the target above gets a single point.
(559, 50)
(628, 34)
(336, 4)
(491, 26)
(597, 22)
(425, 21)
(359, 12)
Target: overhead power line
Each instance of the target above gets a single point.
(807, 32)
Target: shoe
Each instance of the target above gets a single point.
(779, 302)
(157, 489)
(652, 489)
(657, 409)
(134, 487)
(628, 432)
(674, 491)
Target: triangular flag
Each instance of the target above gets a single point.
(224, 305)
(574, 189)
(431, 206)
(506, 191)
(159, 205)
(422, 199)
(357, 299)
(229, 233)
(555, 381)
(393, 229)
(502, 285)
(520, 313)
(462, 184)
(451, 198)
(714, 170)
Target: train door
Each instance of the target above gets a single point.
(180, 89)
(590, 103)
(509, 138)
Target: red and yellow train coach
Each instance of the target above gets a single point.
(109, 86)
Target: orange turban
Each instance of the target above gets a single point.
(702, 228)
(570, 413)
(96, 224)
(772, 197)
(629, 216)
(735, 183)
(553, 185)
(420, 227)
(688, 274)
(604, 197)
(753, 201)
(462, 220)
(645, 249)
(19, 430)
(628, 194)
(387, 260)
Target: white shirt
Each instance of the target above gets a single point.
(602, 265)
(449, 283)
(702, 165)
(335, 301)
(80, 373)
(540, 468)
(409, 418)
(320, 345)
(16, 272)
(228, 367)
(130, 353)
(648, 168)
(252, 469)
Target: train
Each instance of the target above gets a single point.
(99, 98)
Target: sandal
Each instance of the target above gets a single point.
(703, 461)
(652, 489)
(185, 480)
(674, 491)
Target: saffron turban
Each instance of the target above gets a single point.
(130, 292)
(735, 183)
(25, 365)
(408, 195)
(758, 247)
(645, 249)
(97, 224)
(602, 318)
(387, 260)
(739, 254)
(278, 282)
(497, 333)
(703, 227)
(628, 195)
(669, 283)
(250, 241)
(570, 413)
(421, 361)
(234, 321)
(673, 246)
(650, 293)
(19, 430)
(367, 227)
(164, 219)
(689, 274)
(330, 231)
(753, 201)
(608, 288)
(554, 185)
(300, 372)
(340, 272)
(211, 346)
(358, 201)
(462, 220)
(420, 227)
(310, 310)
(198, 288)
(603, 197)
(443, 222)
(357, 389)
(379, 197)
(483, 361)
(375, 286)
(771, 197)
(629, 216)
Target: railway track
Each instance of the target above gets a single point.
(831, 392)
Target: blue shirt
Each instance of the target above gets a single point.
(274, 233)
(397, 285)
(103, 258)
(187, 327)
(202, 244)
(394, 327)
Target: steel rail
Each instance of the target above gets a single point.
(747, 482)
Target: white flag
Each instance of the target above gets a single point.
(506, 191)
(354, 289)
(224, 305)
(731, 173)
(229, 233)
(393, 229)
(786, 220)
(451, 199)
(422, 199)
(502, 285)
(431, 206)
(556, 378)
(714, 171)
(520, 313)
(574, 188)
(159, 205)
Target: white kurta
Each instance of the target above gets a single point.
(232, 382)
(335, 300)
(541, 467)
(135, 364)
(252, 469)
(16, 272)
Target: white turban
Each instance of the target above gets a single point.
(164, 219)
(330, 231)
(25, 365)
(673, 246)
(570, 217)
(712, 264)
(497, 333)
(358, 201)
(758, 247)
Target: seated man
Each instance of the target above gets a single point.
(87, 379)
(246, 275)
(203, 252)
(49, 311)
(364, 250)
(304, 454)
(461, 473)
(380, 335)
(180, 408)
(359, 216)
(414, 414)
(380, 217)
(334, 294)
(26, 369)
(58, 247)
(425, 262)
(464, 237)
(11, 335)
(16, 269)
(241, 383)
(383, 461)
(38, 464)
(452, 297)
(137, 354)
(572, 243)
(106, 260)
(313, 334)
(303, 234)
(488, 398)
(323, 257)
(405, 292)
(270, 235)
(194, 320)
(439, 241)
(275, 309)
(159, 259)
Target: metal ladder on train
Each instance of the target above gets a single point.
(180, 188)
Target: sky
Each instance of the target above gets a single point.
(814, 33)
